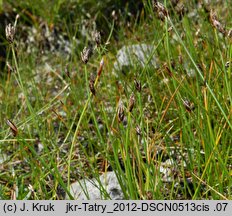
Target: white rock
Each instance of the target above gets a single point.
(137, 54)
(91, 189)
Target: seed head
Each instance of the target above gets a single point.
(91, 84)
(215, 23)
(188, 105)
(66, 70)
(120, 111)
(97, 37)
(114, 15)
(149, 195)
(100, 68)
(86, 54)
(131, 102)
(12, 126)
(229, 34)
(138, 130)
(137, 84)
(10, 33)
(168, 69)
(228, 63)
(160, 10)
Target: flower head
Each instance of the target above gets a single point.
(86, 54)
(131, 102)
(10, 33)
(97, 37)
(120, 111)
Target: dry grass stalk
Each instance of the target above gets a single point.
(100, 68)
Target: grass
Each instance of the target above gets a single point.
(180, 121)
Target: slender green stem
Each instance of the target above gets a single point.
(78, 126)
(201, 76)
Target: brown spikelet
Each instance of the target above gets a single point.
(10, 33)
(86, 54)
(161, 11)
(215, 22)
(188, 105)
(138, 130)
(66, 70)
(229, 34)
(120, 111)
(97, 37)
(167, 69)
(137, 84)
(12, 126)
(149, 195)
(91, 84)
(131, 102)
(100, 68)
